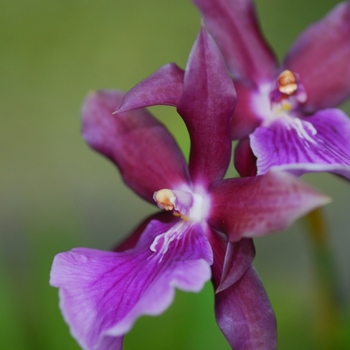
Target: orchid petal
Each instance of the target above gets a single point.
(245, 160)
(260, 205)
(103, 293)
(163, 87)
(321, 58)
(317, 143)
(207, 105)
(234, 26)
(141, 147)
(245, 316)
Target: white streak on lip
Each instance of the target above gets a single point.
(271, 112)
(166, 238)
(301, 128)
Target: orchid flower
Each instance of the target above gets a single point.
(209, 235)
(285, 116)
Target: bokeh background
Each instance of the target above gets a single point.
(56, 194)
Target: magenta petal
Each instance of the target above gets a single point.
(103, 293)
(320, 143)
(207, 105)
(163, 87)
(321, 57)
(258, 206)
(234, 26)
(245, 316)
(141, 147)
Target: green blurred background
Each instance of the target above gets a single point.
(56, 194)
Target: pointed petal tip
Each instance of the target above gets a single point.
(265, 204)
(313, 197)
(163, 87)
(206, 106)
(234, 26)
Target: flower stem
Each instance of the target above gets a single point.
(325, 295)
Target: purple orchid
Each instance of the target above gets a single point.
(284, 116)
(208, 237)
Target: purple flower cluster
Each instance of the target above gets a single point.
(286, 126)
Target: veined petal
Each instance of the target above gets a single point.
(245, 316)
(141, 147)
(234, 26)
(207, 105)
(103, 293)
(321, 58)
(317, 143)
(260, 205)
(163, 87)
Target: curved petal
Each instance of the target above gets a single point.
(244, 159)
(260, 205)
(245, 316)
(163, 87)
(321, 57)
(238, 258)
(234, 26)
(141, 147)
(231, 259)
(207, 105)
(103, 293)
(317, 143)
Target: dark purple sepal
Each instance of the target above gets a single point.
(103, 293)
(318, 143)
(163, 87)
(218, 243)
(260, 205)
(207, 105)
(231, 259)
(238, 258)
(321, 57)
(244, 159)
(245, 316)
(141, 147)
(234, 26)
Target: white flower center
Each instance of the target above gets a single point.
(189, 205)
